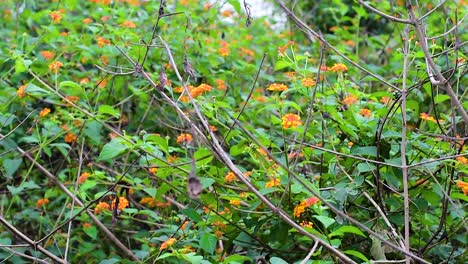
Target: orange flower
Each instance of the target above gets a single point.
(226, 13)
(55, 66)
(282, 49)
(386, 100)
(104, 59)
(102, 41)
(308, 82)
(307, 224)
(87, 20)
(324, 68)
(86, 225)
(172, 158)
(220, 84)
(101, 206)
(223, 51)
(425, 116)
(235, 202)
(56, 16)
(123, 203)
(230, 177)
(277, 87)
(300, 208)
(218, 233)
(291, 120)
(105, 18)
(365, 112)
(350, 99)
(167, 243)
(463, 186)
(350, 43)
(339, 67)
(41, 202)
(63, 34)
(83, 177)
(71, 99)
(290, 74)
(84, 80)
(21, 91)
(272, 183)
(184, 138)
(128, 24)
(184, 225)
(44, 112)
(70, 137)
(149, 201)
(48, 55)
(153, 170)
(462, 160)
(213, 128)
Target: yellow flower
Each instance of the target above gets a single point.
(277, 87)
(350, 99)
(307, 224)
(463, 186)
(291, 120)
(365, 112)
(235, 202)
(41, 202)
(101, 206)
(167, 243)
(184, 138)
(44, 112)
(300, 208)
(272, 183)
(339, 67)
(308, 82)
(425, 116)
(55, 66)
(223, 51)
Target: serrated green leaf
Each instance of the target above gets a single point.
(112, 150)
(108, 110)
(325, 220)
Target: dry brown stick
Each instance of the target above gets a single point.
(103, 228)
(23, 255)
(31, 242)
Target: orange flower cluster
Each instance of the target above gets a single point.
(184, 138)
(291, 120)
(463, 186)
(365, 112)
(282, 49)
(44, 112)
(172, 159)
(425, 116)
(235, 202)
(221, 84)
(70, 137)
(100, 207)
(152, 202)
(230, 177)
(246, 52)
(167, 243)
(153, 170)
(300, 208)
(48, 55)
(41, 202)
(224, 49)
(194, 91)
(308, 82)
(272, 183)
(83, 177)
(290, 74)
(87, 20)
(128, 24)
(102, 42)
(277, 87)
(462, 160)
(55, 66)
(72, 99)
(307, 224)
(56, 16)
(123, 203)
(21, 91)
(338, 67)
(350, 99)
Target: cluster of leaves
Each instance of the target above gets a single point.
(95, 157)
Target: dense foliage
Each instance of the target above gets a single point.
(338, 147)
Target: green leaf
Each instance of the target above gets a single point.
(75, 89)
(236, 5)
(365, 151)
(365, 167)
(325, 220)
(90, 231)
(150, 191)
(357, 254)
(236, 259)
(11, 166)
(35, 90)
(112, 150)
(279, 65)
(193, 258)
(108, 110)
(109, 261)
(276, 260)
(192, 214)
(22, 65)
(208, 242)
(346, 229)
(206, 182)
